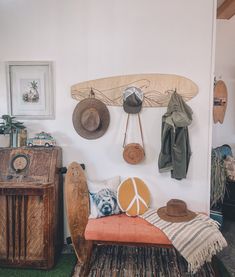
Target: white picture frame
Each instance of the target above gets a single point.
(30, 89)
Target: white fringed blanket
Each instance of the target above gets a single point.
(196, 240)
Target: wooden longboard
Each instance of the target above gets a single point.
(77, 204)
(220, 101)
(157, 88)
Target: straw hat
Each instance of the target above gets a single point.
(176, 211)
(91, 118)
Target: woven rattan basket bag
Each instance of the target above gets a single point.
(133, 153)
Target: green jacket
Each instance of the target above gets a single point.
(175, 147)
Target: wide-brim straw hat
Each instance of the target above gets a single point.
(176, 211)
(91, 118)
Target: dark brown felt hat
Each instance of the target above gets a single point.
(91, 118)
(176, 211)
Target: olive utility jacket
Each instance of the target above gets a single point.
(175, 147)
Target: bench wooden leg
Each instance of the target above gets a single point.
(85, 252)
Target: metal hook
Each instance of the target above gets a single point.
(92, 93)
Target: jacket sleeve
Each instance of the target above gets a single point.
(165, 156)
(181, 153)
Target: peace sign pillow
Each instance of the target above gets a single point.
(133, 196)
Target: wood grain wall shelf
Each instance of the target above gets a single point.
(157, 88)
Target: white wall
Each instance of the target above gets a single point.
(91, 39)
(225, 69)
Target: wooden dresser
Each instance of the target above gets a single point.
(31, 207)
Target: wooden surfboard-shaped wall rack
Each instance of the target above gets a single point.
(157, 88)
(220, 101)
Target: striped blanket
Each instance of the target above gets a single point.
(196, 240)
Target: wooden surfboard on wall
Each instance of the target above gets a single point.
(220, 101)
(157, 88)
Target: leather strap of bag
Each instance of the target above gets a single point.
(141, 131)
(124, 141)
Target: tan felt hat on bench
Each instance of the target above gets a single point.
(176, 211)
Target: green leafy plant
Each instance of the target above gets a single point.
(10, 126)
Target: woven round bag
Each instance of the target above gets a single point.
(133, 153)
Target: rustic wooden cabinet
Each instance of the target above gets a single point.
(31, 207)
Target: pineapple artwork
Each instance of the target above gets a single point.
(31, 91)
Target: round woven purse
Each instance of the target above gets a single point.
(133, 153)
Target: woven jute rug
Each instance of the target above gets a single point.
(124, 261)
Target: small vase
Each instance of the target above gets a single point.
(5, 140)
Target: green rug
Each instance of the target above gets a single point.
(221, 269)
(63, 268)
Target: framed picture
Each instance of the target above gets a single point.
(30, 90)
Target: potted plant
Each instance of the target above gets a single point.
(10, 127)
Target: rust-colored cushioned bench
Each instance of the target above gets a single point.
(116, 229)
(124, 229)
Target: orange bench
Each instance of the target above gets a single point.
(124, 229)
(116, 229)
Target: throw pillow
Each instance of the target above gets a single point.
(133, 196)
(229, 164)
(103, 197)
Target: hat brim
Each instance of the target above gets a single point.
(175, 219)
(132, 110)
(103, 113)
